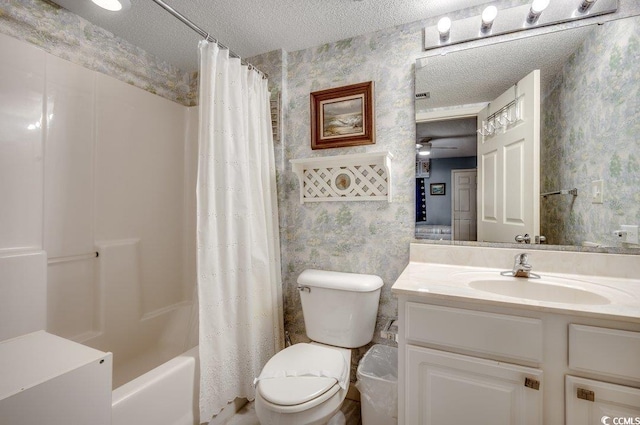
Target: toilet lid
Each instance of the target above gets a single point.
(301, 373)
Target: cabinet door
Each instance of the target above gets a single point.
(591, 402)
(451, 389)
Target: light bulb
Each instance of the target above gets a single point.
(586, 5)
(539, 5)
(444, 28)
(536, 9)
(488, 16)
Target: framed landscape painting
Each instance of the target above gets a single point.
(437, 188)
(342, 117)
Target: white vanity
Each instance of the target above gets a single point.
(478, 347)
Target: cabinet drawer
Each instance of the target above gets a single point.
(605, 351)
(514, 337)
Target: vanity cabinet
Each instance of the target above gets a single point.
(446, 388)
(468, 362)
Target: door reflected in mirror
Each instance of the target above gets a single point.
(447, 146)
(589, 121)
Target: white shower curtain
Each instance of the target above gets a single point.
(239, 282)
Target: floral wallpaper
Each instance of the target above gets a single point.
(590, 131)
(361, 237)
(68, 36)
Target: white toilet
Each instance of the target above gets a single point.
(305, 384)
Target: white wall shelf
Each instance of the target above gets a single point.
(354, 177)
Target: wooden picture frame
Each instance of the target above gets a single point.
(343, 116)
(437, 189)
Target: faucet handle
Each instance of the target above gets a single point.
(522, 259)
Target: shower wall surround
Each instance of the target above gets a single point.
(362, 237)
(68, 36)
(577, 149)
(89, 163)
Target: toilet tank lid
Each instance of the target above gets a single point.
(355, 282)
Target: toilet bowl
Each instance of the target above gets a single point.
(303, 384)
(306, 383)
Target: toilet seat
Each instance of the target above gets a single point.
(297, 408)
(295, 390)
(301, 376)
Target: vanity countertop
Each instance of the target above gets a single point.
(433, 281)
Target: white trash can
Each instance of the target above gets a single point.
(378, 384)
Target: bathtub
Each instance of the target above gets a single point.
(166, 395)
(155, 367)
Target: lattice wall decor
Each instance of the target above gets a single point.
(357, 177)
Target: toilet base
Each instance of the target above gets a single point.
(322, 414)
(338, 419)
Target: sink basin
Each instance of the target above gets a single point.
(553, 289)
(544, 289)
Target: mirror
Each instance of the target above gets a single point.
(590, 121)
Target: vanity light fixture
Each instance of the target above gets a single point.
(113, 5)
(585, 5)
(444, 28)
(531, 15)
(537, 7)
(488, 16)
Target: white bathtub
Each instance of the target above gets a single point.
(153, 383)
(166, 395)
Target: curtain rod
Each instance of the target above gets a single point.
(205, 34)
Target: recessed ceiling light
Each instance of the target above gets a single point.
(113, 5)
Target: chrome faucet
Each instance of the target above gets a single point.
(521, 266)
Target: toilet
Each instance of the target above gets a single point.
(306, 383)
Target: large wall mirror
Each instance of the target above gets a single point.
(587, 114)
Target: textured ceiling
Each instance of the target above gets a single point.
(252, 27)
(458, 133)
(481, 74)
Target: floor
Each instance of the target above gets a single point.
(247, 415)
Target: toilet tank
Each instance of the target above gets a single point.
(339, 308)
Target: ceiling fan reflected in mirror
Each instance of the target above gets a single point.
(423, 148)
